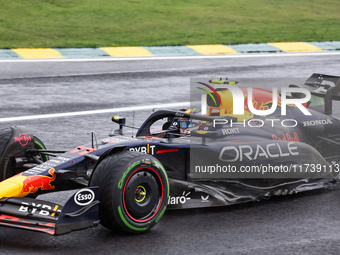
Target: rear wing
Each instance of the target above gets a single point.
(324, 86)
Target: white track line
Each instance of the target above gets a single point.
(244, 55)
(112, 110)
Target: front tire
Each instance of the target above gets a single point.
(133, 191)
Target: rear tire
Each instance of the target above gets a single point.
(11, 167)
(133, 191)
(38, 144)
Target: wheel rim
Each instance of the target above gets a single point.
(143, 194)
(140, 194)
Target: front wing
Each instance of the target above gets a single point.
(79, 212)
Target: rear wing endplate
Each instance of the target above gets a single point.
(325, 86)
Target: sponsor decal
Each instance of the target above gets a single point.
(230, 131)
(32, 184)
(271, 150)
(286, 137)
(205, 199)
(23, 139)
(179, 114)
(40, 209)
(185, 131)
(317, 122)
(148, 149)
(179, 199)
(84, 197)
(46, 166)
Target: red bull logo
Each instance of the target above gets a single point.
(23, 139)
(286, 137)
(261, 100)
(33, 183)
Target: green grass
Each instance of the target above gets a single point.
(98, 23)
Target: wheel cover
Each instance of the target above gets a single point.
(143, 194)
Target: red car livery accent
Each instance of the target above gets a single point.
(286, 137)
(23, 139)
(27, 224)
(166, 151)
(33, 183)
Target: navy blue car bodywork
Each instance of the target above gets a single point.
(315, 140)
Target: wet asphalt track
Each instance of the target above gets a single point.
(306, 223)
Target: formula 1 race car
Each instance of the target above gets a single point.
(176, 159)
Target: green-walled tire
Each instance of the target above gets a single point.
(133, 191)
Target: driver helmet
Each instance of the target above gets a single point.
(186, 125)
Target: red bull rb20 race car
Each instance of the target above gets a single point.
(176, 160)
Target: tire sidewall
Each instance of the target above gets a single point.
(141, 162)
